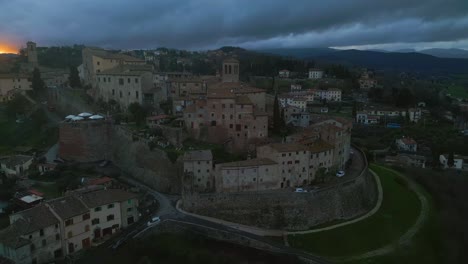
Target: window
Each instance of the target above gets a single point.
(128, 80)
(69, 222)
(208, 162)
(231, 125)
(44, 242)
(121, 81)
(97, 209)
(240, 117)
(41, 232)
(108, 79)
(113, 92)
(110, 217)
(110, 206)
(86, 216)
(98, 79)
(223, 105)
(86, 228)
(136, 80)
(214, 106)
(120, 94)
(95, 221)
(254, 179)
(70, 234)
(57, 236)
(33, 247)
(136, 94)
(98, 63)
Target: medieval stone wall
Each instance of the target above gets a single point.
(287, 209)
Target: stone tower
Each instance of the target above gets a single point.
(32, 55)
(230, 70)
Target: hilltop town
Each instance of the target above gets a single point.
(243, 145)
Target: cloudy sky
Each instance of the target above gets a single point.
(204, 24)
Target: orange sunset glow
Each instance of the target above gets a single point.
(5, 48)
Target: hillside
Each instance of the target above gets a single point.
(395, 61)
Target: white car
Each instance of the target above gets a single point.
(340, 173)
(154, 220)
(300, 190)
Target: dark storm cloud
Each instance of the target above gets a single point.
(251, 23)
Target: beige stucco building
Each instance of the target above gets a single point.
(11, 84)
(127, 84)
(97, 60)
(65, 225)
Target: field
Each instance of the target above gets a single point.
(399, 211)
(458, 91)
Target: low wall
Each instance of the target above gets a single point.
(287, 209)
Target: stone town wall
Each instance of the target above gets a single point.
(287, 209)
(151, 167)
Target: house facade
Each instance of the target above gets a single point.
(199, 163)
(11, 84)
(315, 74)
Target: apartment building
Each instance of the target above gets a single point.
(11, 84)
(62, 226)
(97, 60)
(283, 73)
(330, 95)
(199, 163)
(296, 116)
(315, 74)
(248, 175)
(293, 162)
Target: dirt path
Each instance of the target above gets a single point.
(406, 238)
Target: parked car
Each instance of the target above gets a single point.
(300, 190)
(154, 220)
(340, 173)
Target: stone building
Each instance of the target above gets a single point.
(315, 74)
(12, 84)
(293, 162)
(127, 84)
(16, 165)
(330, 95)
(199, 163)
(226, 116)
(247, 175)
(96, 60)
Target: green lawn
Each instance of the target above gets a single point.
(458, 91)
(399, 210)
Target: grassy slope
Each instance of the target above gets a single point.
(400, 208)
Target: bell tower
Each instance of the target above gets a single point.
(230, 70)
(32, 55)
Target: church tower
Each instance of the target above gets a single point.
(230, 70)
(32, 55)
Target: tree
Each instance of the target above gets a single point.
(38, 84)
(276, 115)
(354, 109)
(17, 106)
(74, 78)
(138, 113)
(451, 161)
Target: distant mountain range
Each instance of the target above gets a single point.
(429, 60)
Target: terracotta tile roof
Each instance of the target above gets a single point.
(100, 181)
(236, 87)
(196, 155)
(220, 94)
(158, 117)
(320, 146)
(287, 147)
(243, 100)
(11, 236)
(68, 206)
(231, 60)
(36, 218)
(94, 199)
(248, 163)
(128, 70)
